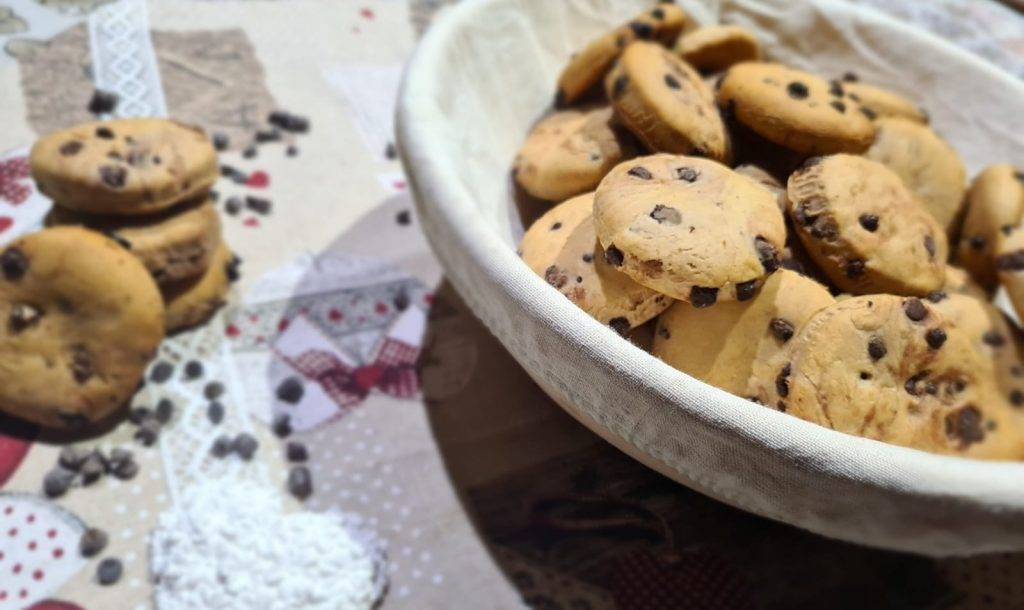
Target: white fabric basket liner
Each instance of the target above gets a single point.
(484, 74)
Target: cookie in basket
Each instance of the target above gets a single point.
(665, 103)
(585, 69)
(766, 180)
(568, 153)
(561, 247)
(193, 301)
(894, 369)
(879, 103)
(928, 165)
(689, 227)
(124, 166)
(864, 228)
(173, 244)
(995, 200)
(81, 318)
(725, 344)
(794, 109)
(717, 47)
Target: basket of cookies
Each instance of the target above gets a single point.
(762, 247)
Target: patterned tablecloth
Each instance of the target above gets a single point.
(482, 493)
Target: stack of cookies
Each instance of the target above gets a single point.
(782, 236)
(145, 183)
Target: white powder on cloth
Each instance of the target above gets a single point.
(230, 545)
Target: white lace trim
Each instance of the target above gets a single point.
(123, 60)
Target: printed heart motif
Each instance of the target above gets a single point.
(251, 222)
(5, 223)
(12, 452)
(258, 180)
(53, 604)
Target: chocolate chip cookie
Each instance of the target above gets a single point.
(192, 301)
(794, 109)
(689, 227)
(174, 244)
(80, 318)
(569, 152)
(561, 247)
(125, 166)
(878, 103)
(585, 69)
(665, 103)
(725, 344)
(995, 201)
(893, 369)
(717, 47)
(864, 228)
(926, 163)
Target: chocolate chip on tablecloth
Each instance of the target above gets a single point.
(292, 150)
(193, 370)
(164, 410)
(109, 571)
(139, 415)
(93, 468)
(290, 390)
(102, 102)
(72, 458)
(249, 152)
(282, 425)
(161, 372)
(221, 446)
(403, 218)
(92, 542)
(231, 268)
(245, 445)
(296, 452)
(148, 432)
(215, 412)
(300, 482)
(268, 135)
(221, 142)
(288, 122)
(57, 481)
(260, 205)
(390, 152)
(213, 390)
(233, 205)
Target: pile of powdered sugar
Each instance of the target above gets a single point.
(230, 545)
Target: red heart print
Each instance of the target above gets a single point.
(258, 180)
(12, 452)
(5, 223)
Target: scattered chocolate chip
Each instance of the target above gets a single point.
(1014, 261)
(782, 381)
(249, 152)
(977, 242)
(193, 370)
(876, 348)
(613, 256)
(213, 390)
(935, 337)
(93, 468)
(937, 296)
(619, 86)
(929, 246)
(70, 148)
(72, 458)
(164, 410)
(288, 121)
(102, 102)
(125, 468)
(221, 446)
(854, 268)
(259, 205)
(767, 253)
(745, 290)
(687, 173)
(104, 133)
(57, 481)
(672, 82)
(619, 325)
(109, 571)
(92, 542)
(797, 90)
(148, 431)
(267, 135)
(13, 263)
(139, 414)
(221, 141)
(869, 222)
(839, 106)
(290, 390)
(215, 412)
(291, 151)
(233, 206)
(282, 425)
(300, 482)
(643, 31)
(1017, 398)
(965, 426)
(640, 172)
(782, 329)
(390, 152)
(113, 176)
(666, 214)
(701, 296)
(994, 338)
(161, 372)
(296, 452)
(915, 309)
(245, 445)
(23, 316)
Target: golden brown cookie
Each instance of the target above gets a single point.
(689, 227)
(894, 369)
(193, 301)
(585, 69)
(926, 163)
(81, 318)
(995, 201)
(725, 344)
(174, 244)
(766, 180)
(794, 109)
(569, 152)
(717, 47)
(666, 103)
(879, 103)
(561, 247)
(865, 229)
(125, 166)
